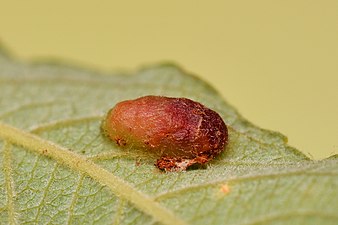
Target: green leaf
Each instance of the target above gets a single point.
(57, 168)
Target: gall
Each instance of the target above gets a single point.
(179, 131)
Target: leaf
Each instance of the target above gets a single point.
(57, 168)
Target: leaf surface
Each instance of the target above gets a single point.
(57, 168)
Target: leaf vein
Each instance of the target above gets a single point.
(74, 199)
(9, 183)
(45, 191)
(119, 213)
(169, 194)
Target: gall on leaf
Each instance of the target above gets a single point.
(179, 131)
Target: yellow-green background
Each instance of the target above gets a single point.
(275, 61)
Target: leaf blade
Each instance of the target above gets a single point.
(65, 105)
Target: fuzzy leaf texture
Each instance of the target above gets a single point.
(58, 168)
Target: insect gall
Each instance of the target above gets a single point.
(180, 131)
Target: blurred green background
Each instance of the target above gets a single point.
(275, 61)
